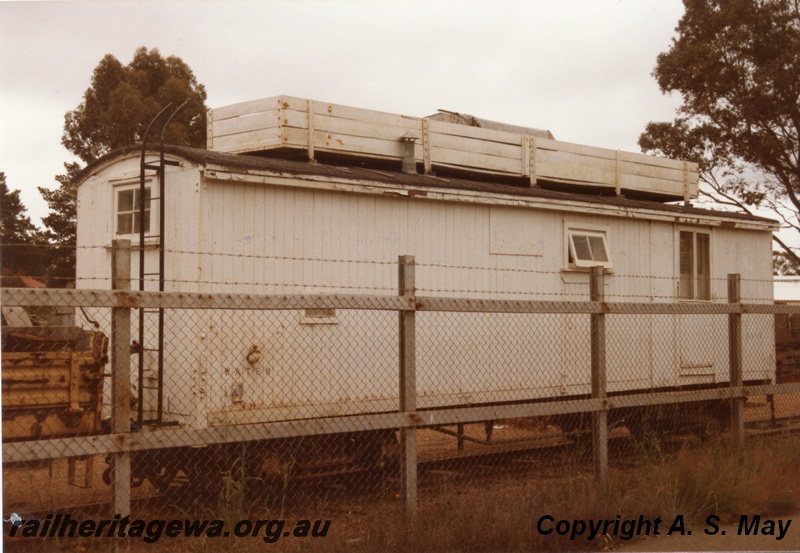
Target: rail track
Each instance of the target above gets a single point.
(543, 456)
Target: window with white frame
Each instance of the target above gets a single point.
(587, 248)
(694, 260)
(127, 208)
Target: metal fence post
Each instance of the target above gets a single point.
(120, 376)
(735, 361)
(408, 387)
(599, 418)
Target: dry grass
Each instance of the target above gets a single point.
(501, 514)
(710, 479)
(697, 481)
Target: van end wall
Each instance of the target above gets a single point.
(96, 214)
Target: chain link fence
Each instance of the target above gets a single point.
(223, 398)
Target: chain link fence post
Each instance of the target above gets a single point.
(408, 387)
(599, 418)
(735, 361)
(120, 381)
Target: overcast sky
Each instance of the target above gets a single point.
(580, 68)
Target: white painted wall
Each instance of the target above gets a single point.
(242, 235)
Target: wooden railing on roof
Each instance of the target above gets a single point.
(286, 123)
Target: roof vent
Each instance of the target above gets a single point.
(409, 141)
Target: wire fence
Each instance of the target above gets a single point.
(196, 396)
(507, 278)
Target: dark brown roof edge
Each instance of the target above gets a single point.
(240, 161)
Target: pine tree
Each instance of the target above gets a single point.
(61, 227)
(19, 238)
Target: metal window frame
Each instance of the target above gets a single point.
(694, 231)
(577, 262)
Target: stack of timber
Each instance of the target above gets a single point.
(453, 144)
